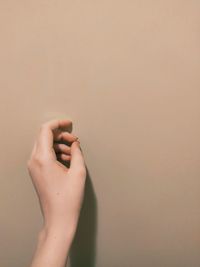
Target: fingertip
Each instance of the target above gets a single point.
(76, 143)
(64, 157)
(76, 149)
(77, 157)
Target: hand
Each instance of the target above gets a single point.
(60, 189)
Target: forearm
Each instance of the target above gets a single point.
(52, 247)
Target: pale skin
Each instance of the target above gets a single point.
(60, 190)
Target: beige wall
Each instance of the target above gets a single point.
(127, 74)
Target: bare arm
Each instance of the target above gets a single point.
(60, 191)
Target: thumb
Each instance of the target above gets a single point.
(77, 159)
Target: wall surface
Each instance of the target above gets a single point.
(127, 74)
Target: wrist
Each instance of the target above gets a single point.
(54, 239)
(59, 224)
(52, 230)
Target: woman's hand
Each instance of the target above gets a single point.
(60, 189)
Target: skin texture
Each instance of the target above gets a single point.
(60, 190)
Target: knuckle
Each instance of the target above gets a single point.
(38, 160)
(29, 163)
(81, 171)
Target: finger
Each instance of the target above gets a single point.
(45, 137)
(77, 160)
(64, 157)
(65, 137)
(62, 148)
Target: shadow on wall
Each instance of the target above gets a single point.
(83, 249)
